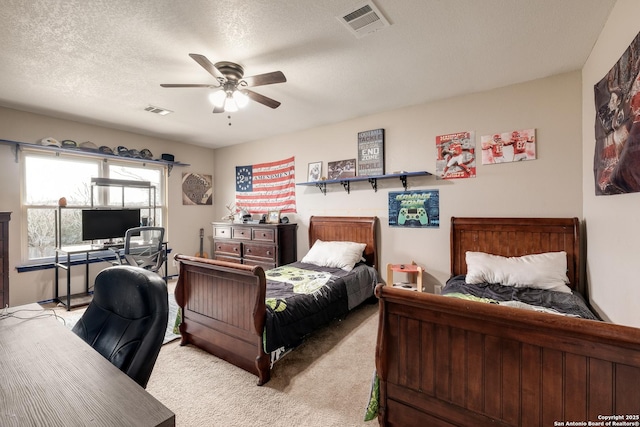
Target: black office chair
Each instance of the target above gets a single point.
(143, 247)
(127, 319)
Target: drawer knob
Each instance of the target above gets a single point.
(268, 252)
(248, 251)
(235, 249)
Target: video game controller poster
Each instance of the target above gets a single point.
(414, 209)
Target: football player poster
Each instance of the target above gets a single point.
(616, 161)
(414, 209)
(506, 147)
(456, 155)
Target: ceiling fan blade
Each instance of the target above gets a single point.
(207, 65)
(189, 85)
(272, 103)
(218, 110)
(265, 79)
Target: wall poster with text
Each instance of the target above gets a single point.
(371, 152)
(456, 155)
(414, 209)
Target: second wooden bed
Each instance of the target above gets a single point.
(444, 361)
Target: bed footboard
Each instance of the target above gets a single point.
(448, 362)
(223, 311)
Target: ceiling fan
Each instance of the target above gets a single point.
(232, 85)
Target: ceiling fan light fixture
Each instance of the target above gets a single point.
(226, 95)
(240, 98)
(217, 98)
(230, 105)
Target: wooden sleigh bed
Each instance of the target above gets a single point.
(443, 361)
(223, 304)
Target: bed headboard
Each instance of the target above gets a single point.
(516, 237)
(358, 229)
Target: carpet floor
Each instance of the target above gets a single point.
(325, 382)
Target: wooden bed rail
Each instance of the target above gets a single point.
(444, 361)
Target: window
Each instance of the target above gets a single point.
(51, 176)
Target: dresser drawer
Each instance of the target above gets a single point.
(266, 252)
(243, 233)
(222, 232)
(235, 260)
(223, 247)
(263, 235)
(265, 265)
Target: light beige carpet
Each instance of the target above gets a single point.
(325, 382)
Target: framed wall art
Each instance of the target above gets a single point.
(273, 217)
(314, 172)
(414, 209)
(506, 147)
(341, 169)
(197, 189)
(371, 152)
(456, 155)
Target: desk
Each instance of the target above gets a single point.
(63, 260)
(51, 377)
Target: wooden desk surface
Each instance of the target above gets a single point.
(49, 376)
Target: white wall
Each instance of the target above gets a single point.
(547, 187)
(184, 222)
(612, 223)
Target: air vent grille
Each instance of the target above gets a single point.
(158, 110)
(365, 19)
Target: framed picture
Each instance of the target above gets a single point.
(514, 146)
(341, 169)
(314, 172)
(197, 189)
(273, 217)
(371, 152)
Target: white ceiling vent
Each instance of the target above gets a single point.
(364, 19)
(158, 110)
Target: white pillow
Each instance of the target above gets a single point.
(542, 271)
(342, 255)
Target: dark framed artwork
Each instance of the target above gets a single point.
(197, 189)
(341, 169)
(371, 152)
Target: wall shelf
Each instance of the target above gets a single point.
(19, 145)
(373, 180)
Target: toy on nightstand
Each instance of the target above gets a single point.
(414, 273)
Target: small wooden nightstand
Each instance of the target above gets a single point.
(413, 271)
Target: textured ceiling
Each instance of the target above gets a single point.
(102, 62)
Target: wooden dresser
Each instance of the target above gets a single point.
(266, 245)
(4, 258)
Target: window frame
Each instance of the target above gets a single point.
(104, 163)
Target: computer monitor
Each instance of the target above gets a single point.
(108, 223)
